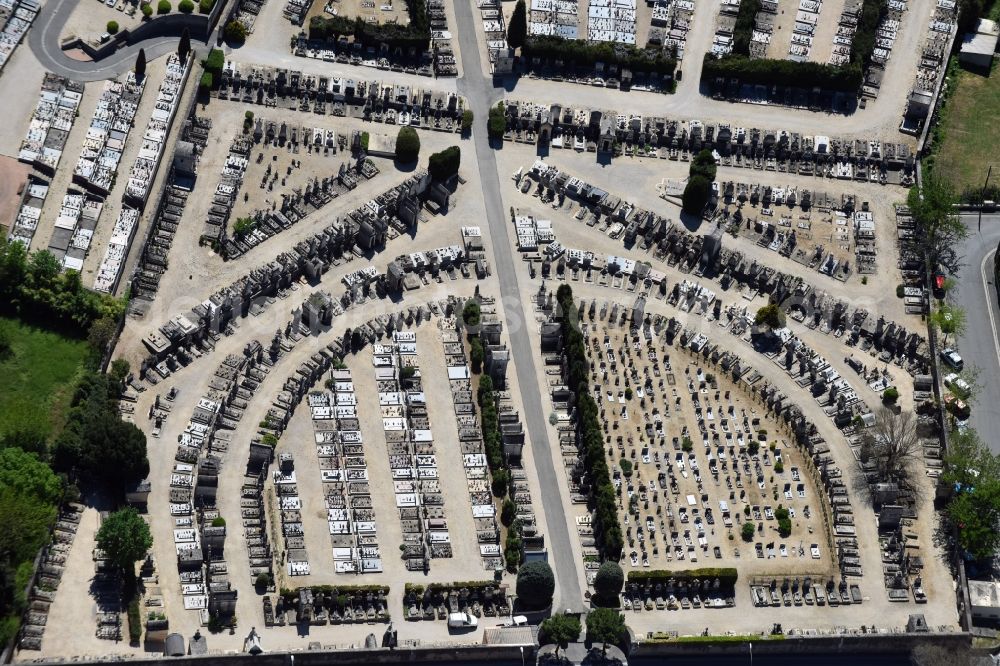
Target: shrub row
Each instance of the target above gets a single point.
(579, 52)
(743, 30)
(590, 439)
(727, 575)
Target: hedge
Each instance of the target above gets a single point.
(185, 6)
(205, 6)
(743, 30)
(727, 575)
(578, 52)
(590, 438)
(163, 7)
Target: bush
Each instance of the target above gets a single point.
(696, 195)
(476, 354)
(218, 521)
(147, 9)
(471, 313)
(507, 512)
(205, 6)
(703, 165)
(264, 580)
(134, 622)
(205, 84)
(163, 7)
(845, 78)
(235, 32)
(535, 585)
(496, 125)
(626, 466)
(444, 165)
(686, 444)
(753, 447)
(215, 61)
(771, 316)
(779, 466)
(890, 395)
(112, 27)
(499, 481)
(747, 531)
(407, 145)
(582, 53)
(467, 118)
(185, 6)
(608, 583)
(416, 34)
(727, 575)
(900, 291)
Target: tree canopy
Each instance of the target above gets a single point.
(471, 313)
(939, 230)
(604, 626)
(140, 64)
(535, 585)
(560, 629)
(608, 582)
(444, 165)
(184, 46)
(517, 28)
(973, 470)
(696, 195)
(770, 315)
(703, 165)
(125, 538)
(407, 145)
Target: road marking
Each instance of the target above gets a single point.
(989, 304)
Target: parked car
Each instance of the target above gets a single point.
(951, 357)
(957, 384)
(461, 621)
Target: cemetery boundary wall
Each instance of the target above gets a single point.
(895, 644)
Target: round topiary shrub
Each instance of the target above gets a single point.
(163, 7)
(147, 9)
(535, 586)
(608, 583)
(112, 27)
(185, 6)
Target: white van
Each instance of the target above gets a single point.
(461, 621)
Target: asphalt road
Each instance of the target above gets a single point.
(979, 346)
(43, 38)
(481, 93)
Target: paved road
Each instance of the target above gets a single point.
(481, 92)
(44, 41)
(980, 345)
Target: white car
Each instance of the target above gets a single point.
(957, 384)
(951, 357)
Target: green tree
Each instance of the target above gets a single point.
(112, 27)
(467, 118)
(940, 231)
(949, 320)
(235, 32)
(6, 350)
(559, 630)
(771, 316)
(696, 195)
(185, 6)
(476, 354)
(163, 7)
(747, 531)
(703, 165)
(517, 28)
(608, 583)
(101, 333)
(606, 625)
(535, 585)
(471, 313)
(125, 538)
(184, 46)
(890, 395)
(147, 9)
(119, 372)
(444, 165)
(508, 511)
(140, 64)
(407, 145)
(243, 226)
(496, 124)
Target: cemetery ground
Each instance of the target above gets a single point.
(89, 20)
(641, 178)
(195, 264)
(969, 131)
(37, 378)
(695, 461)
(371, 11)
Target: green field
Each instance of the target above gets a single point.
(970, 131)
(38, 378)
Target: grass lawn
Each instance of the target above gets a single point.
(38, 378)
(971, 131)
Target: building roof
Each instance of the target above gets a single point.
(984, 593)
(983, 41)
